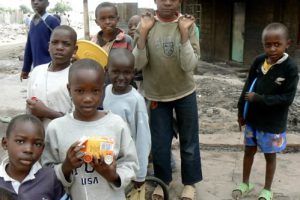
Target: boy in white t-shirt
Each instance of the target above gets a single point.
(47, 94)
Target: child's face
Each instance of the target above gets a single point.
(62, 46)
(121, 73)
(275, 43)
(167, 8)
(107, 19)
(25, 145)
(85, 88)
(132, 25)
(39, 6)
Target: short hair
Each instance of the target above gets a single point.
(24, 118)
(134, 17)
(87, 64)
(66, 28)
(274, 27)
(120, 54)
(106, 4)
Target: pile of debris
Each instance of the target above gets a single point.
(12, 33)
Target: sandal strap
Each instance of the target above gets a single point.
(266, 195)
(158, 193)
(245, 188)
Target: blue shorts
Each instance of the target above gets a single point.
(267, 142)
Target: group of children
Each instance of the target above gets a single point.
(63, 99)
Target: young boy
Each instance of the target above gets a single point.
(110, 37)
(122, 99)
(97, 179)
(167, 51)
(133, 24)
(21, 174)
(47, 93)
(36, 50)
(274, 77)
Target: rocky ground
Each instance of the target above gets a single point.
(11, 32)
(218, 89)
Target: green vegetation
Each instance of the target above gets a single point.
(3, 10)
(61, 8)
(25, 9)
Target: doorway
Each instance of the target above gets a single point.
(238, 28)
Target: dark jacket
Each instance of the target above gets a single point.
(44, 186)
(275, 92)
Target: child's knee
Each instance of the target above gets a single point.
(270, 157)
(250, 151)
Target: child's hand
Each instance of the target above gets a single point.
(185, 22)
(249, 96)
(107, 171)
(241, 122)
(36, 107)
(24, 75)
(147, 22)
(73, 159)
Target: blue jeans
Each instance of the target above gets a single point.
(161, 117)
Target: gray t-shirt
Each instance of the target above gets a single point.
(132, 108)
(86, 183)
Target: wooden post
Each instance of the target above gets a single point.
(86, 24)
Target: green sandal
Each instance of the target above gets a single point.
(242, 190)
(265, 195)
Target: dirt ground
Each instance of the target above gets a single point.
(218, 89)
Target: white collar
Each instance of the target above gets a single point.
(281, 60)
(45, 16)
(284, 57)
(16, 184)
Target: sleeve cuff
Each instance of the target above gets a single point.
(125, 179)
(140, 179)
(186, 44)
(258, 98)
(139, 51)
(60, 175)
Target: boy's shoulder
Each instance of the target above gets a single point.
(114, 118)
(59, 122)
(122, 36)
(136, 94)
(131, 93)
(52, 18)
(290, 61)
(46, 171)
(260, 58)
(40, 68)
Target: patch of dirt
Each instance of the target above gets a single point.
(218, 90)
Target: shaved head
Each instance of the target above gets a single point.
(120, 55)
(276, 27)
